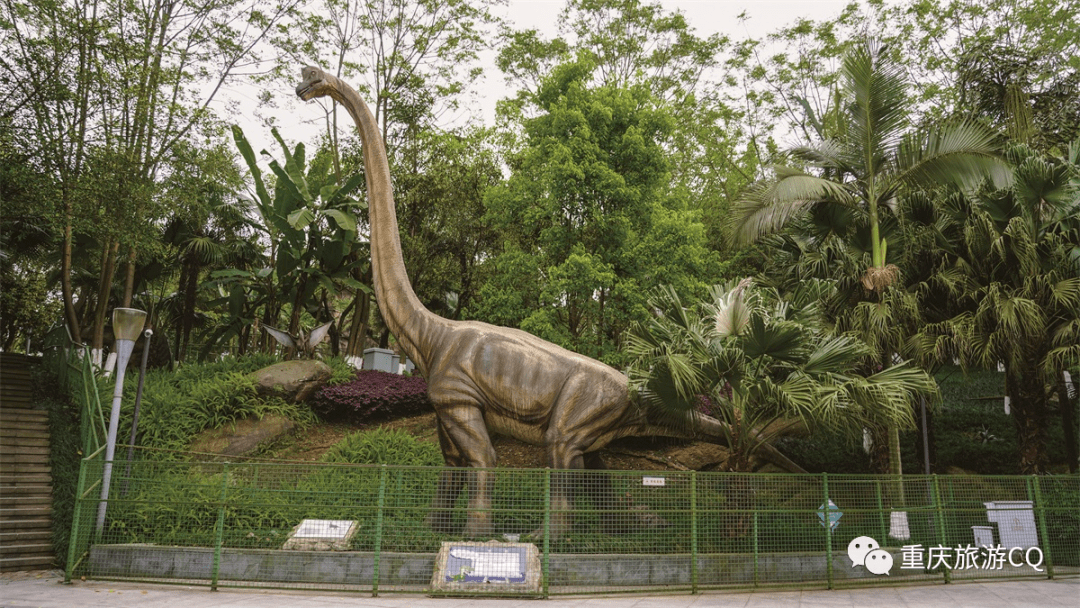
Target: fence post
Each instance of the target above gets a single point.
(946, 573)
(881, 509)
(378, 531)
(1040, 508)
(73, 542)
(219, 529)
(755, 548)
(545, 565)
(693, 533)
(828, 531)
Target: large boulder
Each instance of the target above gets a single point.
(243, 437)
(294, 381)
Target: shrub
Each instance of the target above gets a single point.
(178, 405)
(341, 371)
(372, 395)
(384, 446)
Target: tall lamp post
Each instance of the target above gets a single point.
(127, 325)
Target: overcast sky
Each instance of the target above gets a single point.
(706, 17)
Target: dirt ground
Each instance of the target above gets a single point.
(629, 454)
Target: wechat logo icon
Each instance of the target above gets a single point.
(866, 552)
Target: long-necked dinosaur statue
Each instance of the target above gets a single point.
(482, 378)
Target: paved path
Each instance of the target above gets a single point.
(45, 590)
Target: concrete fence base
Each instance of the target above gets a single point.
(414, 570)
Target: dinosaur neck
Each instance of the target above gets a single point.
(402, 311)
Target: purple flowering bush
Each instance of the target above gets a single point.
(372, 395)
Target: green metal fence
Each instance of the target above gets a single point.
(227, 524)
(72, 365)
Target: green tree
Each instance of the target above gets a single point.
(413, 59)
(209, 229)
(964, 56)
(27, 306)
(959, 56)
(1012, 277)
(631, 43)
(310, 221)
(584, 216)
(440, 208)
(99, 93)
(871, 159)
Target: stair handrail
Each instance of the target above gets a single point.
(71, 362)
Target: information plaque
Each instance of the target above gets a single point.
(321, 535)
(491, 567)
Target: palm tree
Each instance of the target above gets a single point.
(209, 233)
(1014, 274)
(759, 363)
(869, 160)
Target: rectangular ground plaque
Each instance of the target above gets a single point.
(490, 567)
(321, 535)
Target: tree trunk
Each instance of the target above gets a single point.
(187, 314)
(895, 468)
(1068, 422)
(108, 268)
(129, 279)
(1030, 410)
(929, 446)
(879, 451)
(67, 293)
(179, 333)
(358, 328)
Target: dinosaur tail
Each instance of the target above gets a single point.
(715, 431)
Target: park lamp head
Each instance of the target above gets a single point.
(128, 323)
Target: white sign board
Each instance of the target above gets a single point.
(489, 567)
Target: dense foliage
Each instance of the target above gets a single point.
(754, 360)
(177, 405)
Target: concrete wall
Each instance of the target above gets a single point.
(412, 569)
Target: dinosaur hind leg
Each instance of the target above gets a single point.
(596, 485)
(586, 411)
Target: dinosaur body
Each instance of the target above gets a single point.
(483, 378)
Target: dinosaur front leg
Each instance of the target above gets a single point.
(465, 429)
(441, 516)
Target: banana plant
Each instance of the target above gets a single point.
(315, 244)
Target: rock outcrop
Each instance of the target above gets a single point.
(294, 381)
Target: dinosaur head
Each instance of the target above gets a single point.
(316, 84)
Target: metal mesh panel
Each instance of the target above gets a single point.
(753, 528)
(383, 529)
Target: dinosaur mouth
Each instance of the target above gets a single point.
(305, 90)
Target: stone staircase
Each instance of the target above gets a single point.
(25, 483)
